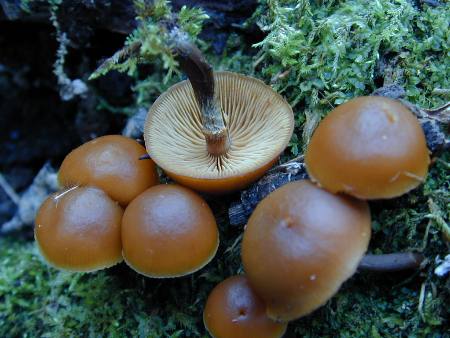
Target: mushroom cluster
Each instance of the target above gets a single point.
(216, 133)
(85, 228)
(304, 240)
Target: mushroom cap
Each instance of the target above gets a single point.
(233, 310)
(300, 244)
(78, 229)
(259, 121)
(168, 231)
(111, 163)
(369, 147)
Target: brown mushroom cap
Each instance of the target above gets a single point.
(300, 244)
(168, 231)
(233, 310)
(111, 163)
(259, 122)
(78, 229)
(370, 147)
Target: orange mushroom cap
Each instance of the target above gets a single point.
(78, 229)
(233, 310)
(300, 244)
(370, 147)
(168, 231)
(111, 163)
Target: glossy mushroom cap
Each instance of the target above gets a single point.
(168, 231)
(78, 229)
(233, 310)
(111, 163)
(300, 244)
(259, 124)
(370, 147)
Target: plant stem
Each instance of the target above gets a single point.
(391, 262)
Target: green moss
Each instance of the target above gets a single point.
(332, 51)
(39, 301)
(317, 55)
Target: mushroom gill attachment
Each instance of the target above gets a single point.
(168, 231)
(78, 229)
(110, 163)
(300, 244)
(369, 147)
(233, 310)
(259, 124)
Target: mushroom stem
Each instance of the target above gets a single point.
(201, 76)
(391, 262)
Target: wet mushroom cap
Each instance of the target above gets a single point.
(259, 122)
(111, 163)
(300, 244)
(233, 310)
(370, 147)
(168, 231)
(78, 229)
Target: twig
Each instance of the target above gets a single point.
(422, 301)
(121, 55)
(391, 262)
(9, 190)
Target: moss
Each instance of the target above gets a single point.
(318, 55)
(332, 51)
(39, 301)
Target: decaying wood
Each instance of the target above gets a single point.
(293, 170)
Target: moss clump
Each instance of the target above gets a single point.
(320, 54)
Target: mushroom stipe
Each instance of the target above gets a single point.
(259, 121)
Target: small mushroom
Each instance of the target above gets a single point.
(218, 132)
(78, 229)
(300, 244)
(370, 147)
(168, 231)
(233, 310)
(111, 163)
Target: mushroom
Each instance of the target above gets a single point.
(233, 310)
(300, 244)
(78, 229)
(111, 163)
(168, 231)
(370, 147)
(216, 133)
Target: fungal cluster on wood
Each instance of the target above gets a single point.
(217, 133)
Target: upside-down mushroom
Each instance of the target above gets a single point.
(217, 132)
